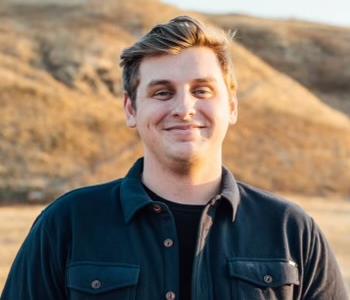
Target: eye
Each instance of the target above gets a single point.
(162, 94)
(203, 92)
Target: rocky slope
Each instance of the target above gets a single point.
(62, 123)
(316, 55)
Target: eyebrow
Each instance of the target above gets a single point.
(159, 82)
(168, 82)
(205, 80)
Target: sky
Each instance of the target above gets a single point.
(334, 12)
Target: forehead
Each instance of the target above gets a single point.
(192, 63)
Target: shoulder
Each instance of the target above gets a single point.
(269, 206)
(79, 203)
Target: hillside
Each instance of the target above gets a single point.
(62, 123)
(287, 138)
(316, 55)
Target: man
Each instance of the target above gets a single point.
(178, 226)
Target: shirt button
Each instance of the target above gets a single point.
(168, 243)
(96, 284)
(268, 278)
(157, 208)
(170, 295)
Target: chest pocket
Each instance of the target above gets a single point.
(102, 281)
(263, 278)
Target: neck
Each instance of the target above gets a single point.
(187, 183)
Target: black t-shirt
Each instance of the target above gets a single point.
(187, 219)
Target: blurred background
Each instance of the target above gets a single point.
(62, 124)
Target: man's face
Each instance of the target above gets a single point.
(183, 108)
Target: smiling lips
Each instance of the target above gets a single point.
(184, 127)
(186, 132)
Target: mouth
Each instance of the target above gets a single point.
(184, 127)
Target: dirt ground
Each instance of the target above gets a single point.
(333, 216)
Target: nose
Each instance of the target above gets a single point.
(184, 106)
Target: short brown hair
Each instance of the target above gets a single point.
(171, 38)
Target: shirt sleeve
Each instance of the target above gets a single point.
(36, 273)
(322, 278)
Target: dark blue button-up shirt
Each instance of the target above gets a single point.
(109, 242)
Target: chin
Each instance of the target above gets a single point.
(186, 156)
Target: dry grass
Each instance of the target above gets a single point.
(333, 216)
(310, 53)
(15, 224)
(62, 123)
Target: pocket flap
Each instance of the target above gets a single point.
(97, 277)
(264, 272)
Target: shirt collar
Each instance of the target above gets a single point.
(132, 194)
(134, 197)
(230, 190)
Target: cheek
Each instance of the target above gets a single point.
(150, 116)
(216, 114)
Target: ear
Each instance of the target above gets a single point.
(129, 111)
(233, 109)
